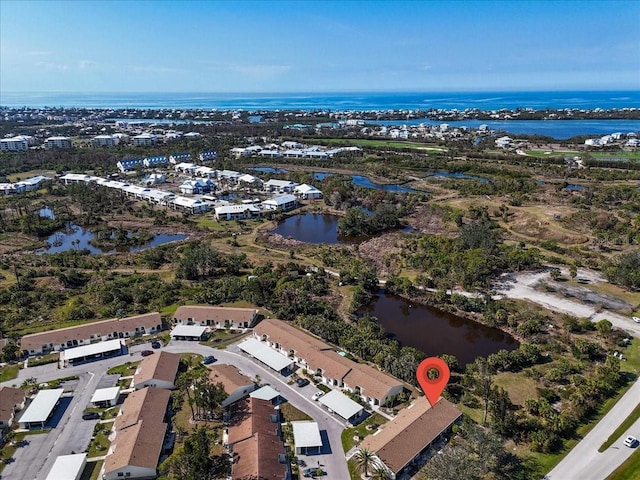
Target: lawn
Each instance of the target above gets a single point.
(361, 431)
(292, 414)
(125, 370)
(220, 339)
(44, 359)
(519, 387)
(9, 372)
(31, 173)
(100, 443)
(629, 469)
(630, 420)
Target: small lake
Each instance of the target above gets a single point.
(435, 332)
(313, 228)
(321, 175)
(573, 187)
(361, 181)
(459, 175)
(66, 240)
(46, 212)
(269, 170)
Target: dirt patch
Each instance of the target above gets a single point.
(381, 251)
(530, 225)
(278, 241)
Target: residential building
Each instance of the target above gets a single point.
(250, 180)
(208, 155)
(237, 212)
(12, 400)
(308, 192)
(504, 142)
(374, 386)
(63, 143)
(191, 205)
(185, 167)
(157, 161)
(88, 333)
(401, 442)
(280, 186)
(216, 317)
(180, 158)
(236, 385)
(104, 141)
(105, 397)
(191, 187)
(139, 433)
(282, 203)
(255, 442)
(193, 333)
(144, 140)
(192, 135)
(159, 370)
(33, 183)
(11, 188)
(129, 164)
(19, 143)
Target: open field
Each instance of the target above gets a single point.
(382, 143)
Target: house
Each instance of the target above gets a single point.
(135, 451)
(269, 153)
(12, 400)
(145, 404)
(203, 171)
(282, 203)
(504, 142)
(191, 187)
(291, 144)
(158, 371)
(250, 180)
(236, 385)
(63, 143)
(184, 157)
(374, 386)
(104, 141)
(157, 161)
(230, 176)
(88, 333)
(208, 155)
(185, 167)
(154, 179)
(255, 443)
(280, 186)
(400, 443)
(216, 317)
(191, 205)
(144, 140)
(237, 212)
(129, 164)
(11, 188)
(192, 135)
(308, 192)
(33, 183)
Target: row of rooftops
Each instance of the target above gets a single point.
(290, 149)
(159, 160)
(26, 185)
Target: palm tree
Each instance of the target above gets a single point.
(365, 460)
(380, 472)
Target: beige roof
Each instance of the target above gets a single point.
(200, 313)
(35, 341)
(147, 403)
(139, 444)
(257, 458)
(230, 377)
(9, 398)
(415, 427)
(317, 354)
(163, 366)
(252, 416)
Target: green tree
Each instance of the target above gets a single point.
(365, 460)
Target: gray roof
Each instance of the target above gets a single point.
(341, 404)
(306, 434)
(41, 406)
(265, 354)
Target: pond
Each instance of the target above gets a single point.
(75, 237)
(46, 212)
(435, 332)
(269, 170)
(361, 181)
(313, 228)
(573, 187)
(459, 175)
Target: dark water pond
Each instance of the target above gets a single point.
(269, 170)
(435, 332)
(313, 228)
(77, 238)
(459, 175)
(574, 187)
(361, 181)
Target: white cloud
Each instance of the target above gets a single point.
(39, 53)
(87, 64)
(52, 66)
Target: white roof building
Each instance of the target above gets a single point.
(93, 350)
(68, 467)
(266, 355)
(106, 395)
(339, 403)
(281, 202)
(41, 408)
(188, 331)
(308, 192)
(265, 393)
(306, 435)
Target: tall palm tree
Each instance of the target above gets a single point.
(365, 460)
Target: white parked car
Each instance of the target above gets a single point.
(636, 319)
(630, 441)
(317, 395)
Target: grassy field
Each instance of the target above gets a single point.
(630, 420)
(9, 372)
(518, 387)
(100, 444)
(31, 173)
(629, 469)
(360, 430)
(292, 414)
(125, 370)
(381, 143)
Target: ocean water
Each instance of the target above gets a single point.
(329, 101)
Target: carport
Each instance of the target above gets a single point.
(87, 352)
(106, 397)
(266, 355)
(68, 467)
(41, 408)
(188, 332)
(306, 435)
(339, 403)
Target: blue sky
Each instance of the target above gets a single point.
(318, 46)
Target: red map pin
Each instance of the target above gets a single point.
(433, 387)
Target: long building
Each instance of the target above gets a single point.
(375, 387)
(216, 317)
(88, 333)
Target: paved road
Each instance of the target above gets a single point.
(73, 433)
(584, 461)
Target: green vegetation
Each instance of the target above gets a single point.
(125, 369)
(629, 469)
(361, 430)
(9, 372)
(100, 443)
(623, 427)
(292, 414)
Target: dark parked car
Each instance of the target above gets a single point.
(146, 353)
(209, 359)
(313, 472)
(302, 382)
(90, 416)
(155, 344)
